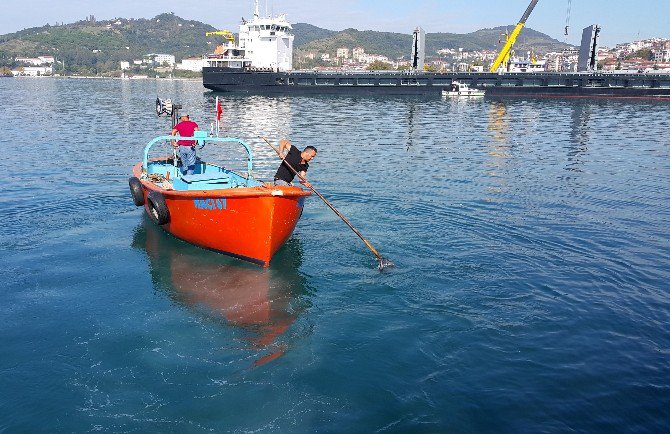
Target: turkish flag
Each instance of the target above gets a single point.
(219, 110)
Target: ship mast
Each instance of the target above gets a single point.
(256, 14)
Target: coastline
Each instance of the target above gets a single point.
(88, 77)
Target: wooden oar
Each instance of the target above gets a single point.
(383, 262)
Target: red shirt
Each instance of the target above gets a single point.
(186, 129)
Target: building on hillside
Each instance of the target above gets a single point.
(194, 64)
(461, 67)
(357, 52)
(342, 53)
(159, 59)
(370, 58)
(124, 65)
(661, 56)
(444, 52)
(525, 65)
(28, 60)
(33, 71)
(36, 61)
(570, 59)
(553, 62)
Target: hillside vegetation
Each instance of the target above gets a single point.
(394, 45)
(96, 47)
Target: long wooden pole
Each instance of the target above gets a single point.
(382, 261)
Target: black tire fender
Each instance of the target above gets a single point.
(136, 191)
(157, 208)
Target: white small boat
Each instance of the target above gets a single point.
(462, 90)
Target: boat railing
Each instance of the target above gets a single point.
(201, 139)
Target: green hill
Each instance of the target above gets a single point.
(306, 33)
(394, 45)
(96, 47)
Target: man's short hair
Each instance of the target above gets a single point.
(310, 148)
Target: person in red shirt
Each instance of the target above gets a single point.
(186, 148)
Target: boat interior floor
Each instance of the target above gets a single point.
(206, 176)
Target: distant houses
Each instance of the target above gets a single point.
(159, 59)
(194, 64)
(640, 56)
(34, 66)
(646, 56)
(44, 65)
(164, 62)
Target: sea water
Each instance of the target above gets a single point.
(531, 289)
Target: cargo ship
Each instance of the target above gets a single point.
(262, 62)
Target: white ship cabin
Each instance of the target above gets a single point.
(263, 44)
(522, 65)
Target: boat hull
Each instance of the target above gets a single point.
(250, 223)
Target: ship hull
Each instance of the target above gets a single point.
(406, 83)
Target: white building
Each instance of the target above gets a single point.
(446, 52)
(370, 58)
(661, 56)
(194, 64)
(124, 65)
(462, 67)
(36, 61)
(357, 52)
(524, 65)
(34, 71)
(160, 59)
(342, 53)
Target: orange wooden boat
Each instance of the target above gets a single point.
(217, 208)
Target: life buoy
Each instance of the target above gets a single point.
(157, 209)
(136, 191)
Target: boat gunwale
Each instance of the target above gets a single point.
(264, 190)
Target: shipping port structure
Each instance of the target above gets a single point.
(261, 62)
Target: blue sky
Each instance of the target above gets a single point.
(621, 21)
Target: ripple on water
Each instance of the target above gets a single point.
(530, 290)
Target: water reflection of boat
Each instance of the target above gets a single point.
(262, 302)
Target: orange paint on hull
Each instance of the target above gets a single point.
(248, 222)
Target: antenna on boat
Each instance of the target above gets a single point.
(167, 107)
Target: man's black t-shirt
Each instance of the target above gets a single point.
(293, 158)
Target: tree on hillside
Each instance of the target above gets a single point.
(645, 54)
(378, 65)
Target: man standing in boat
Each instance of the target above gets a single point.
(186, 148)
(298, 160)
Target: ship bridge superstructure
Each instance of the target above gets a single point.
(264, 43)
